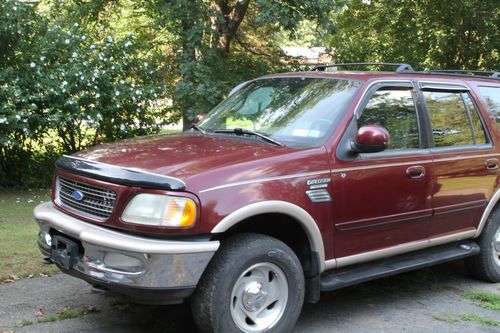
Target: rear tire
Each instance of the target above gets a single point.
(486, 265)
(254, 283)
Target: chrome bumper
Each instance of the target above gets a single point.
(113, 258)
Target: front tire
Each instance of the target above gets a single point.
(486, 265)
(254, 283)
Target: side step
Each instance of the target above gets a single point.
(348, 276)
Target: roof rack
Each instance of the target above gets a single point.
(491, 74)
(401, 68)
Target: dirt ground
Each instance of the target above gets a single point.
(429, 300)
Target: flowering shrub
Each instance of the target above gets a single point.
(64, 86)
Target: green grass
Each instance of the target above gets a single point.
(19, 254)
(484, 299)
(23, 323)
(467, 317)
(68, 314)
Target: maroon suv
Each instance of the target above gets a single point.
(297, 183)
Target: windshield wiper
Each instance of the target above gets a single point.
(198, 128)
(242, 131)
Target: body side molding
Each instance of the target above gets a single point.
(487, 212)
(398, 249)
(282, 207)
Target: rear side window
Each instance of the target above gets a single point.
(454, 119)
(393, 109)
(492, 97)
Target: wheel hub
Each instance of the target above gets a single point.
(259, 297)
(496, 241)
(254, 296)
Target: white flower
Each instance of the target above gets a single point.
(76, 25)
(74, 54)
(32, 65)
(117, 93)
(18, 117)
(128, 43)
(84, 37)
(122, 82)
(66, 41)
(97, 95)
(109, 39)
(138, 92)
(3, 120)
(122, 127)
(64, 83)
(42, 58)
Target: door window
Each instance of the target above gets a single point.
(492, 97)
(393, 109)
(454, 119)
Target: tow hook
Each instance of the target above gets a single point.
(47, 261)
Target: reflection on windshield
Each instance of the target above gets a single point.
(298, 111)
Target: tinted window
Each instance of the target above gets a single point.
(450, 122)
(492, 97)
(477, 125)
(394, 110)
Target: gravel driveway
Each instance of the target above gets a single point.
(407, 303)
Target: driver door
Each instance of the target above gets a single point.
(383, 199)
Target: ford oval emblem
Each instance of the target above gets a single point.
(77, 195)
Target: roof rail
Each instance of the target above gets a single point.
(491, 74)
(401, 68)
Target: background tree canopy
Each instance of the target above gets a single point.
(76, 73)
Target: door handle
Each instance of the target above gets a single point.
(415, 172)
(491, 164)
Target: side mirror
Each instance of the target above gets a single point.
(370, 139)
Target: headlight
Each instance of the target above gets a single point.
(160, 210)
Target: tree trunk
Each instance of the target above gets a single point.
(229, 22)
(186, 123)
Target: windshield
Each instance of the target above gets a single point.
(296, 111)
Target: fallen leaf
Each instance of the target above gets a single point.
(39, 313)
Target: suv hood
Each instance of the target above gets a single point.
(198, 160)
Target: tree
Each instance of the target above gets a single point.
(204, 33)
(461, 34)
(67, 84)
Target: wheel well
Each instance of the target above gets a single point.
(285, 228)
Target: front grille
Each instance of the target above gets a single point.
(89, 200)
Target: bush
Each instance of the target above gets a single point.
(66, 85)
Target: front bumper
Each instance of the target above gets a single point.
(144, 269)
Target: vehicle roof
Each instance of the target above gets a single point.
(369, 75)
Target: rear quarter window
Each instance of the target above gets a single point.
(492, 97)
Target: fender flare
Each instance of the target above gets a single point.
(281, 207)
(487, 212)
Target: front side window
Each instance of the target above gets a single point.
(492, 97)
(393, 109)
(296, 111)
(454, 119)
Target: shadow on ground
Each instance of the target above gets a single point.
(408, 302)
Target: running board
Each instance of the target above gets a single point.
(348, 276)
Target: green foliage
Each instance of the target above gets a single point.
(204, 31)
(467, 317)
(484, 299)
(66, 85)
(462, 34)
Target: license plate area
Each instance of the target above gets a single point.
(64, 251)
